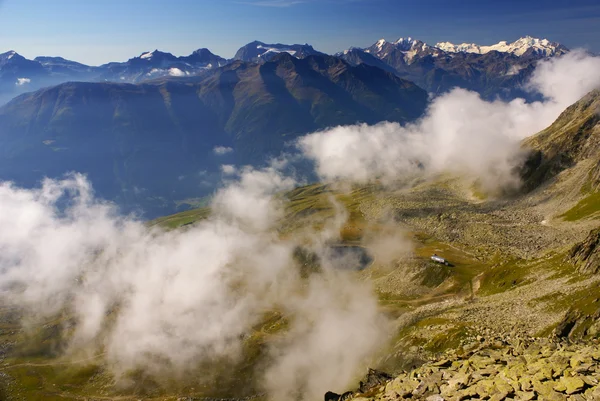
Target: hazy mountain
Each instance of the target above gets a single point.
(157, 64)
(18, 75)
(260, 52)
(152, 144)
(59, 65)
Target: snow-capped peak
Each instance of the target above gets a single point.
(8, 55)
(519, 47)
(408, 40)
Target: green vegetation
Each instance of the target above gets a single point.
(588, 207)
(181, 219)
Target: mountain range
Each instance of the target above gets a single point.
(148, 146)
(147, 130)
(490, 70)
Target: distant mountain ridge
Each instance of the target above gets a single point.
(493, 71)
(520, 47)
(490, 70)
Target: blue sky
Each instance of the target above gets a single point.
(98, 31)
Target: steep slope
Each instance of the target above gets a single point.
(573, 138)
(586, 255)
(151, 145)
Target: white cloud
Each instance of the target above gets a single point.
(222, 150)
(22, 81)
(228, 169)
(460, 132)
(190, 295)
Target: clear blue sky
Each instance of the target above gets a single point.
(98, 31)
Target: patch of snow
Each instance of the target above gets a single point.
(276, 50)
(22, 81)
(146, 56)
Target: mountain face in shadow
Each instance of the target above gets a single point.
(149, 146)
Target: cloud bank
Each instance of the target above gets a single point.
(459, 133)
(182, 297)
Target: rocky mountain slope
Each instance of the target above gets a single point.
(153, 144)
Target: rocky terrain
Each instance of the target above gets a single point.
(496, 369)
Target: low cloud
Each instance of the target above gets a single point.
(460, 132)
(182, 297)
(176, 72)
(22, 81)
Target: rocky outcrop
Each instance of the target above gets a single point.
(374, 379)
(586, 255)
(519, 369)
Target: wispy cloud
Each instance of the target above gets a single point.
(273, 3)
(288, 3)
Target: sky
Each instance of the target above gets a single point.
(99, 31)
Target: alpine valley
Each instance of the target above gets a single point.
(162, 116)
(398, 222)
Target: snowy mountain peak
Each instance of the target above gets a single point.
(8, 55)
(380, 43)
(407, 40)
(519, 47)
